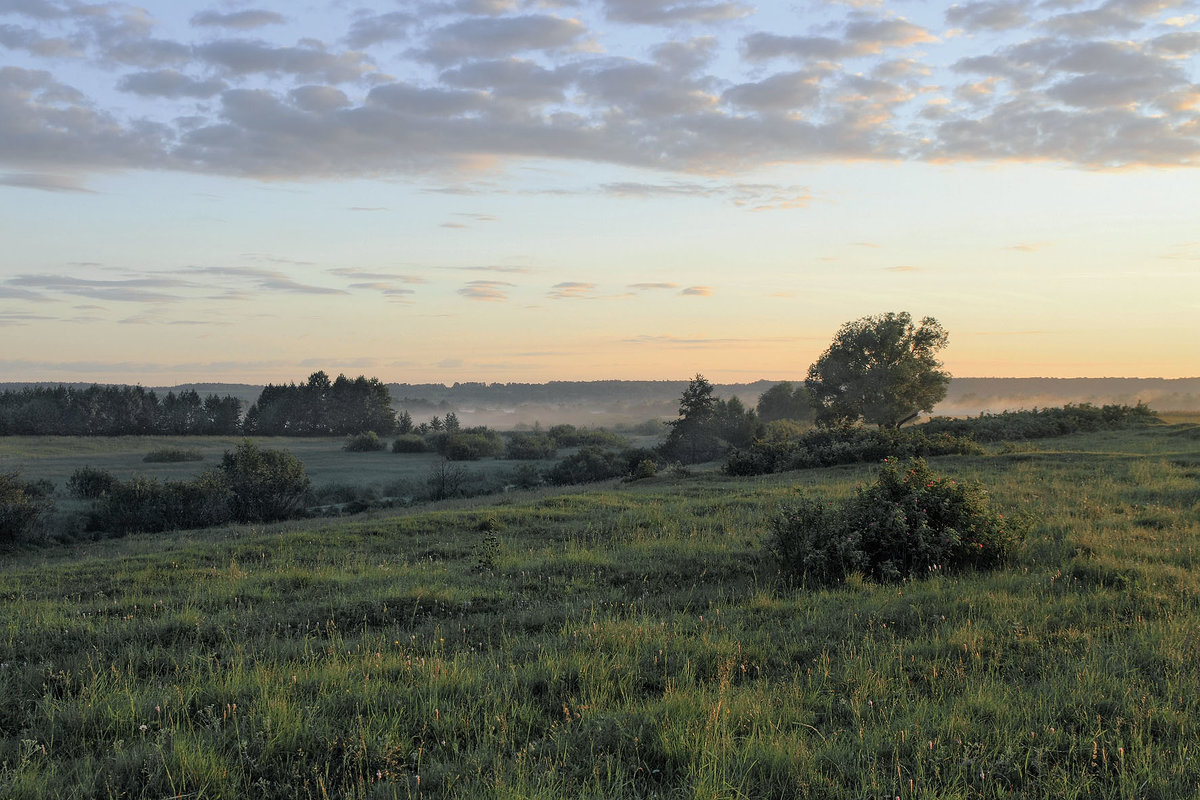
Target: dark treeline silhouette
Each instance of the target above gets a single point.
(115, 411)
(320, 407)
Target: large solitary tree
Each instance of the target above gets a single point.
(882, 369)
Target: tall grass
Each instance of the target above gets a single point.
(628, 640)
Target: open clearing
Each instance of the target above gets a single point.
(622, 640)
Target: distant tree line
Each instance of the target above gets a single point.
(115, 411)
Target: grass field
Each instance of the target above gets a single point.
(623, 640)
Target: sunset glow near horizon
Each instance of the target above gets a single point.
(525, 190)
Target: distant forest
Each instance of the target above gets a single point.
(344, 406)
(115, 411)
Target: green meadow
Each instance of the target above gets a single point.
(626, 639)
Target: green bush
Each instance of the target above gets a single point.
(590, 464)
(365, 442)
(910, 523)
(409, 443)
(472, 444)
(646, 468)
(22, 506)
(171, 455)
(89, 483)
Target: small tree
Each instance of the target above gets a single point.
(692, 437)
(21, 507)
(882, 369)
(446, 480)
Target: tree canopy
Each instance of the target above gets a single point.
(882, 369)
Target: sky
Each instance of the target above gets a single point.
(535, 190)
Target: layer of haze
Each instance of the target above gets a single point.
(508, 190)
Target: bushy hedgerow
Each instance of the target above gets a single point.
(910, 523)
(593, 463)
(827, 447)
(1042, 423)
(571, 436)
(172, 455)
(365, 442)
(409, 443)
(251, 485)
(89, 483)
(147, 505)
(22, 506)
(530, 446)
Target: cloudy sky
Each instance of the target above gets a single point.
(528, 190)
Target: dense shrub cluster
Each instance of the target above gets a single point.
(908, 524)
(1042, 423)
(251, 485)
(22, 506)
(827, 447)
(409, 443)
(571, 436)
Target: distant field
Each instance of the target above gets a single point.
(628, 640)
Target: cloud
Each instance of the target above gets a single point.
(308, 60)
(240, 20)
(10, 319)
(491, 268)
(10, 293)
(697, 291)
(15, 37)
(651, 286)
(270, 280)
(753, 196)
(169, 83)
(131, 290)
(489, 291)
(780, 93)
(862, 35)
(572, 290)
(510, 79)
(484, 84)
(989, 15)
(671, 12)
(46, 183)
(368, 275)
(500, 37)
(375, 28)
